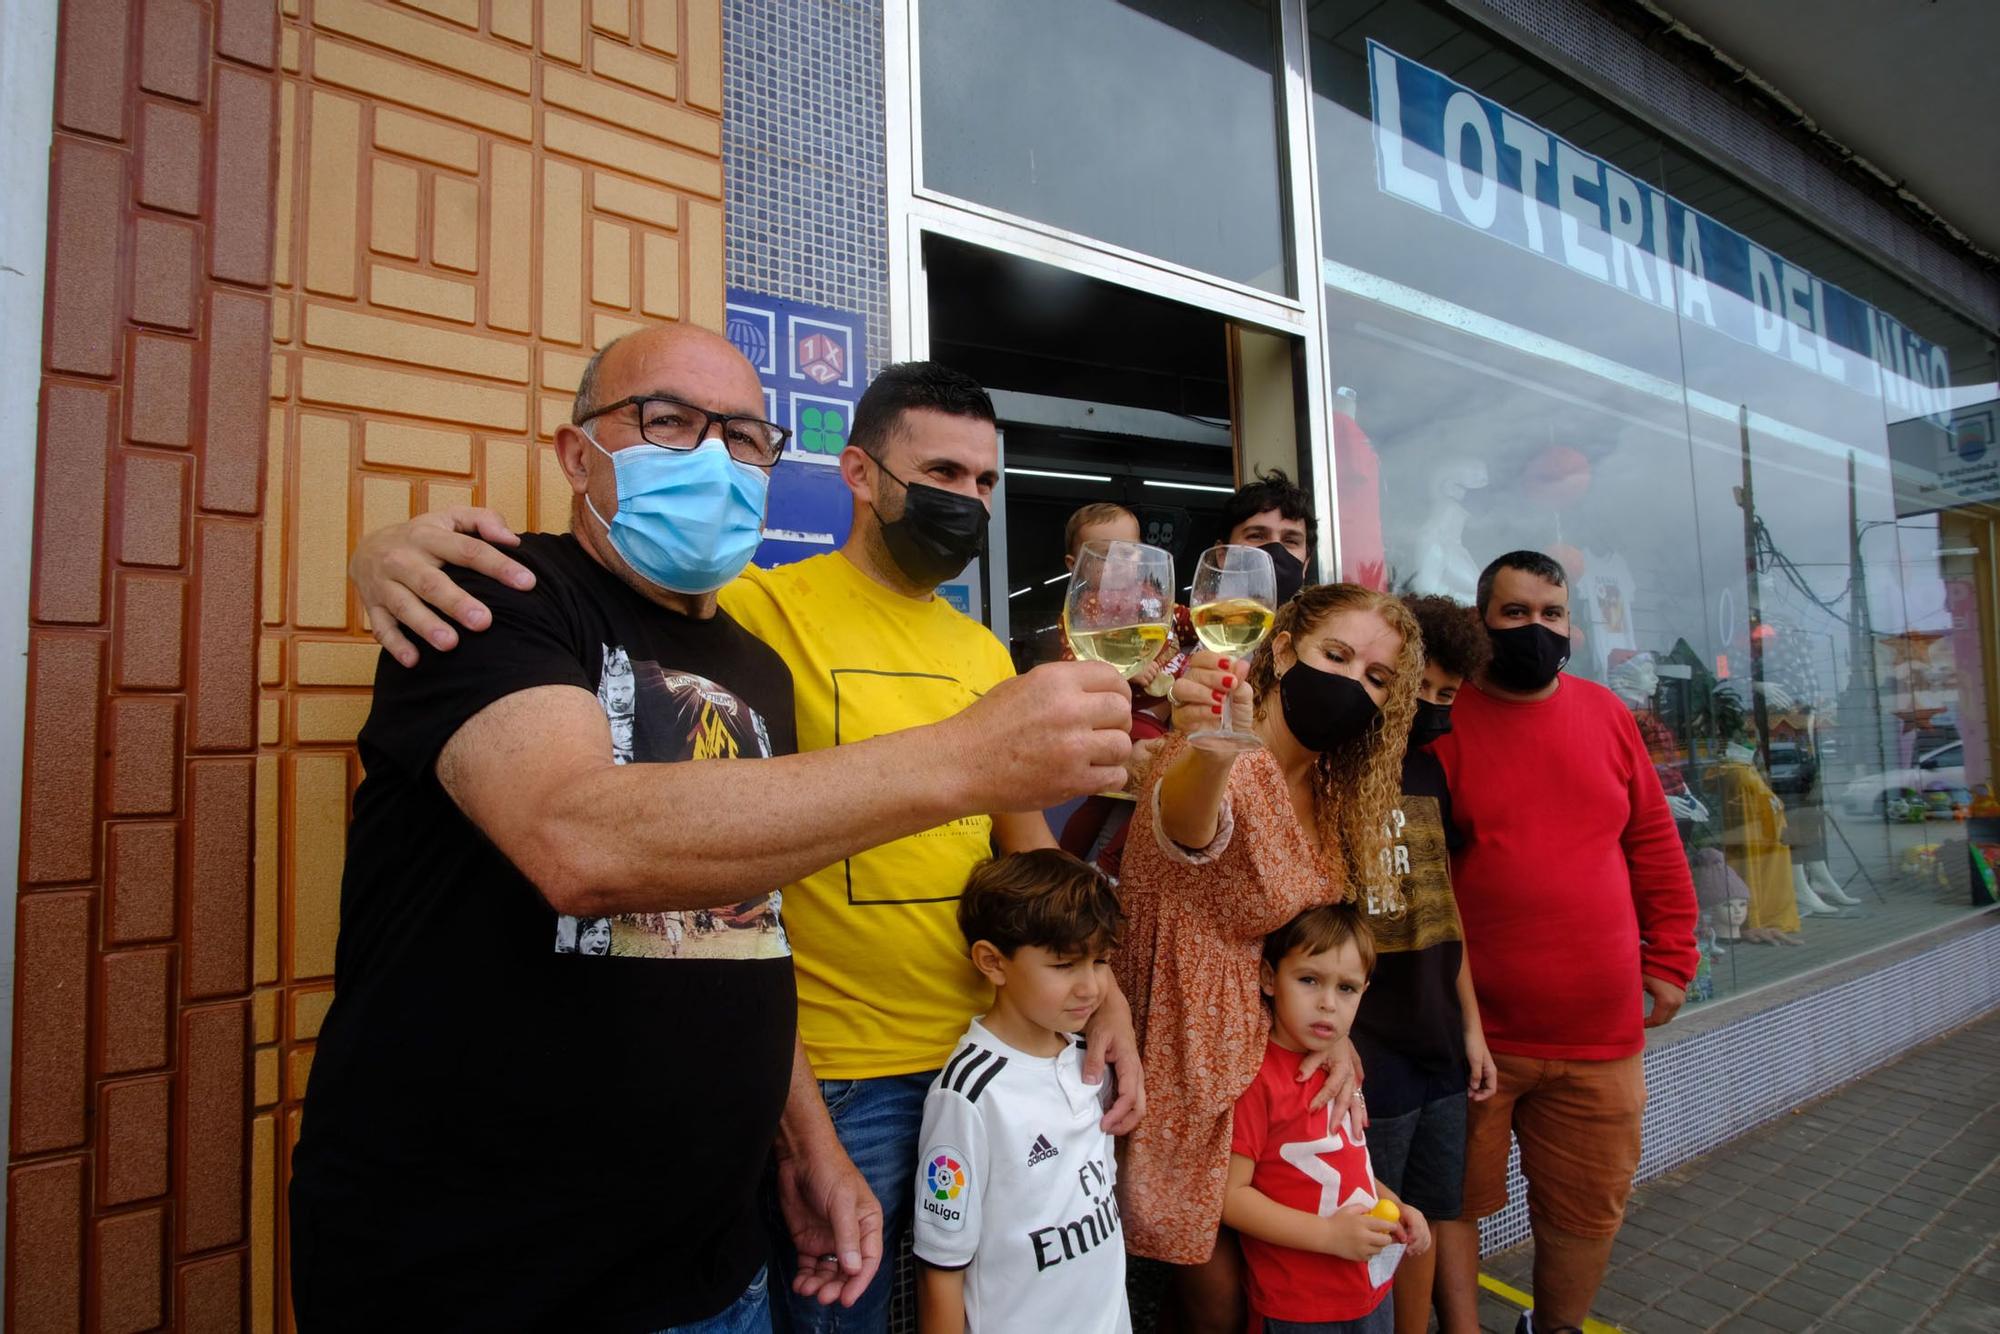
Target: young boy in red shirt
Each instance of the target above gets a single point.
(1302, 1191)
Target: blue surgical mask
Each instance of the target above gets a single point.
(688, 521)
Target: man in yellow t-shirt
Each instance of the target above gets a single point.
(885, 985)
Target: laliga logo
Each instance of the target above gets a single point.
(821, 358)
(944, 1181)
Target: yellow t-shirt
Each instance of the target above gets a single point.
(885, 987)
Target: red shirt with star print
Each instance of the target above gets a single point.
(1307, 1162)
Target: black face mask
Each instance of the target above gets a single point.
(1433, 721)
(1526, 657)
(1325, 709)
(938, 534)
(1291, 571)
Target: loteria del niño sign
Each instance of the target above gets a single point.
(1444, 148)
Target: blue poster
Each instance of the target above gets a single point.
(813, 364)
(1446, 149)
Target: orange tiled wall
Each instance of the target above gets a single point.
(127, 1178)
(471, 196)
(311, 270)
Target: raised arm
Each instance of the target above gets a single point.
(1196, 781)
(399, 571)
(533, 771)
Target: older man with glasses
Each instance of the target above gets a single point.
(557, 949)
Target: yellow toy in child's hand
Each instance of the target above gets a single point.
(1386, 1210)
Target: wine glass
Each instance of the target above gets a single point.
(1232, 603)
(1120, 607)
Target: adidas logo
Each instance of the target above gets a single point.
(1042, 1150)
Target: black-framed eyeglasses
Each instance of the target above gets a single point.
(672, 424)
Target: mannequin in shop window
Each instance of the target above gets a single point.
(1443, 562)
(1724, 898)
(1364, 560)
(1753, 841)
(1635, 679)
(1818, 893)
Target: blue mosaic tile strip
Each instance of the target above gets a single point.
(804, 157)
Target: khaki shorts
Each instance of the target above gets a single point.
(1579, 1127)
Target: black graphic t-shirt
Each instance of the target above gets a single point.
(1410, 1029)
(515, 1119)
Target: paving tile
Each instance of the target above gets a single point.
(1854, 1266)
(1950, 1248)
(1696, 1309)
(1739, 1274)
(1829, 1285)
(1780, 1314)
(1889, 1238)
(1891, 1304)
(1642, 1288)
(1906, 1285)
(1743, 1324)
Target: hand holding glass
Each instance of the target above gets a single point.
(1232, 604)
(1120, 607)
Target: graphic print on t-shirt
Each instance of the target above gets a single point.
(870, 703)
(661, 717)
(1413, 908)
(1315, 1158)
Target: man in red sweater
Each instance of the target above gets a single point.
(1578, 906)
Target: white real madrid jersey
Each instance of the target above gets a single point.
(1015, 1186)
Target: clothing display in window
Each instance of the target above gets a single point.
(1440, 560)
(1602, 603)
(1364, 560)
(1753, 822)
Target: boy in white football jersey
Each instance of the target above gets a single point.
(1016, 1221)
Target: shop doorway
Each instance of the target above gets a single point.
(1104, 393)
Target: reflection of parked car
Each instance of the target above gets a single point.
(1792, 768)
(1939, 770)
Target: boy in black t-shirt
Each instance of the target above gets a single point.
(1417, 1030)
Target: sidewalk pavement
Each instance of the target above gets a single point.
(1874, 1209)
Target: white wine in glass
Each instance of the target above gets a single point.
(1232, 603)
(1233, 627)
(1126, 647)
(1120, 606)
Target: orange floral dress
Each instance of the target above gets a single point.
(1196, 923)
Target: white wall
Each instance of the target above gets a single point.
(27, 93)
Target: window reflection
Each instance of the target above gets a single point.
(1760, 461)
(1151, 124)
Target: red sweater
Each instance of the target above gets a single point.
(1572, 880)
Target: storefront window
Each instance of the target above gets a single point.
(1151, 124)
(1720, 422)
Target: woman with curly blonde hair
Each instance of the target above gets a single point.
(1226, 848)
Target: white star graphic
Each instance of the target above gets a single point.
(1305, 1155)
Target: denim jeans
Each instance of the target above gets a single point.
(748, 1314)
(1382, 1320)
(878, 1121)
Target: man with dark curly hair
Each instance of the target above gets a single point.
(1418, 1031)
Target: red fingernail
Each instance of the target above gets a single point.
(1216, 695)
(1228, 681)
(1215, 708)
